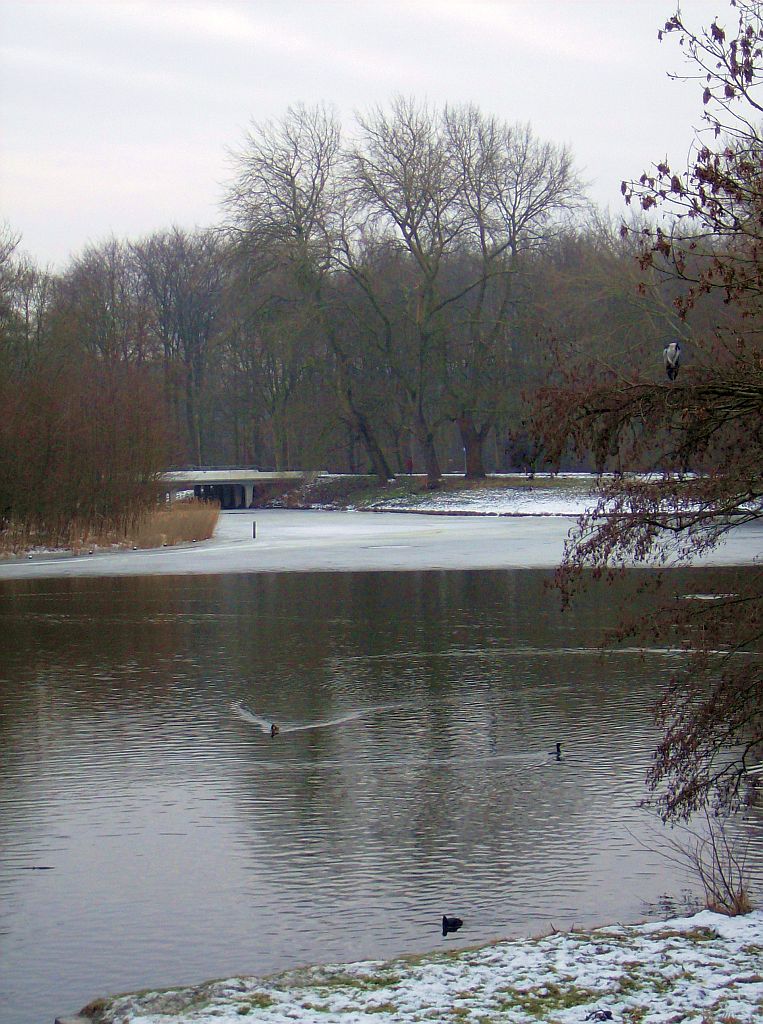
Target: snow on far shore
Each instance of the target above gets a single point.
(528, 500)
(706, 969)
(521, 526)
(564, 495)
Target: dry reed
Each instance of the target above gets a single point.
(176, 523)
(164, 525)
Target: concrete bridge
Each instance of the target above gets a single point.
(233, 488)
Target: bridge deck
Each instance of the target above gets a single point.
(190, 477)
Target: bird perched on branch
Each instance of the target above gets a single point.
(672, 355)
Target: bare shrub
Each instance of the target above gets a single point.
(715, 857)
(80, 452)
(703, 242)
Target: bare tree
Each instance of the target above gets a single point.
(282, 202)
(513, 191)
(29, 302)
(267, 335)
(9, 241)
(183, 275)
(463, 196)
(100, 303)
(400, 178)
(81, 437)
(286, 208)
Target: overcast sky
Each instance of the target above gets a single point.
(116, 116)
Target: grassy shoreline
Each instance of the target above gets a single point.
(704, 969)
(364, 492)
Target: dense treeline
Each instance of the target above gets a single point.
(82, 435)
(375, 303)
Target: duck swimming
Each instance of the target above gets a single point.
(266, 726)
(450, 924)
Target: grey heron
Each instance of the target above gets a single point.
(672, 356)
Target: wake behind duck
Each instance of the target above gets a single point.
(270, 728)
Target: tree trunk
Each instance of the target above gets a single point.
(425, 437)
(472, 440)
(192, 419)
(361, 425)
(238, 455)
(352, 462)
(376, 455)
(278, 434)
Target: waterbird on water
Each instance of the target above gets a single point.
(558, 752)
(267, 726)
(450, 924)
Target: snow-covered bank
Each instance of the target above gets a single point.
(706, 969)
(566, 498)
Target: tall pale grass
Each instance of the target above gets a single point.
(175, 523)
(168, 524)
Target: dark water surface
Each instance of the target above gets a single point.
(181, 842)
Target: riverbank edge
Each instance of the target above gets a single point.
(410, 493)
(339, 494)
(179, 525)
(705, 968)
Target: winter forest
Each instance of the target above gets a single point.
(372, 301)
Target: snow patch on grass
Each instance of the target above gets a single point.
(706, 969)
(527, 500)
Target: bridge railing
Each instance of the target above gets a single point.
(215, 469)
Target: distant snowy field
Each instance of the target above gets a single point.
(570, 497)
(567, 494)
(694, 970)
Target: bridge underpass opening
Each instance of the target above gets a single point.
(230, 496)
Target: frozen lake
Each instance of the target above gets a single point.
(321, 541)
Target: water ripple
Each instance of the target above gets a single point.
(414, 774)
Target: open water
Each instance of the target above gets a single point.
(153, 833)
